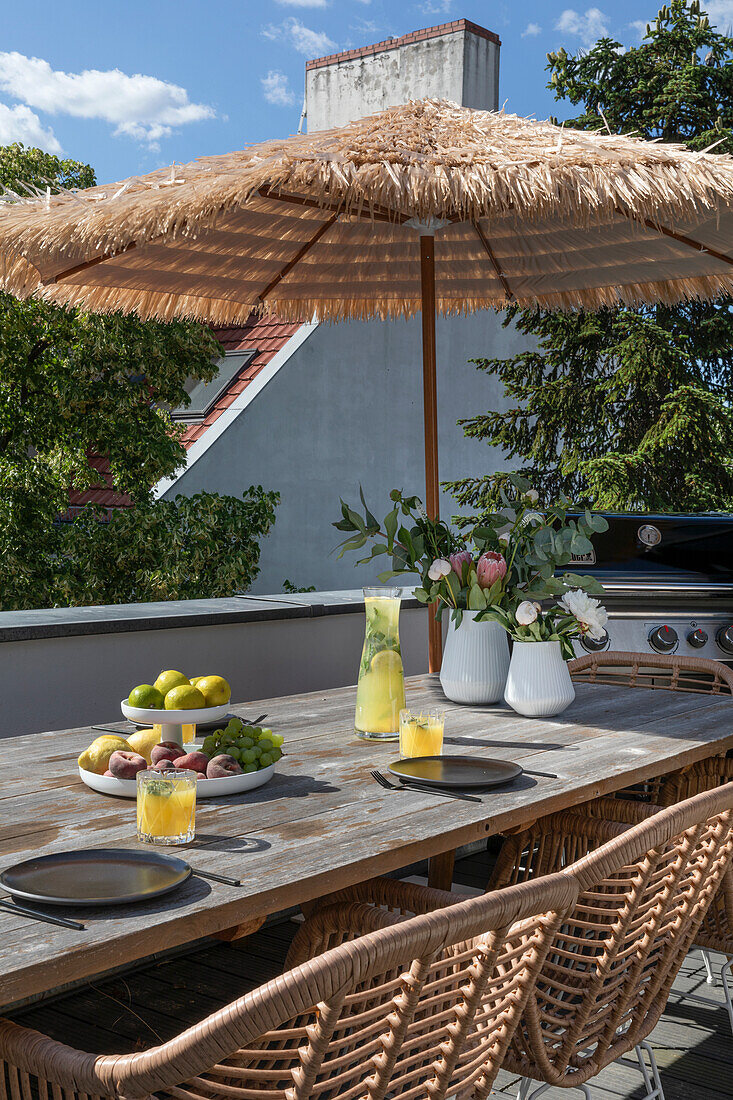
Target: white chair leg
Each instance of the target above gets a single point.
(652, 1080)
(725, 973)
(710, 979)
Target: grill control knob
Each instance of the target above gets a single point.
(594, 646)
(697, 638)
(725, 638)
(664, 639)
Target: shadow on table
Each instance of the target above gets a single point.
(490, 742)
(193, 890)
(212, 842)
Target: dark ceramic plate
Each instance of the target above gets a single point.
(95, 876)
(456, 771)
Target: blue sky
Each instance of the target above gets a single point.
(129, 87)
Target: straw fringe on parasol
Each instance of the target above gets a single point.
(426, 207)
(316, 224)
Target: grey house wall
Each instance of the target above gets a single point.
(345, 410)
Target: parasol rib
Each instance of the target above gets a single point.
(376, 213)
(667, 232)
(89, 263)
(494, 262)
(298, 257)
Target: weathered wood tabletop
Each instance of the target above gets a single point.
(322, 822)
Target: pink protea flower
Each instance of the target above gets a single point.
(491, 568)
(457, 559)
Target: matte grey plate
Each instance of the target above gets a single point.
(456, 771)
(95, 876)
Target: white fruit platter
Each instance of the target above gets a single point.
(205, 788)
(173, 721)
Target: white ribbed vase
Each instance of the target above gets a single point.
(475, 661)
(538, 684)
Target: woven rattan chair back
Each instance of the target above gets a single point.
(606, 979)
(422, 1007)
(653, 670)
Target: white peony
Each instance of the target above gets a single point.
(526, 613)
(439, 568)
(504, 538)
(590, 613)
(532, 496)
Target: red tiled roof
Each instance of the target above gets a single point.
(268, 336)
(102, 493)
(405, 40)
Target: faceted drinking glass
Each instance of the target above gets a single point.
(421, 732)
(380, 693)
(166, 806)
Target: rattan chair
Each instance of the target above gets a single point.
(604, 984)
(420, 1008)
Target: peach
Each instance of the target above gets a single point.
(222, 766)
(193, 761)
(166, 750)
(163, 766)
(126, 765)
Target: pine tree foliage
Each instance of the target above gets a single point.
(627, 409)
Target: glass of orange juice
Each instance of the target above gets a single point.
(421, 732)
(166, 806)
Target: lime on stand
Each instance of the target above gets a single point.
(147, 697)
(184, 697)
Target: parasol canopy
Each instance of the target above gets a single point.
(325, 224)
(426, 207)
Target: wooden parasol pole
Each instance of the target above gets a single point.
(430, 411)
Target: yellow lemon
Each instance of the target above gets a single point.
(144, 741)
(96, 757)
(387, 662)
(146, 696)
(215, 690)
(195, 679)
(170, 679)
(184, 697)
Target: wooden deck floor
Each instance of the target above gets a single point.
(693, 1042)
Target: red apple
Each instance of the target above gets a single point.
(166, 750)
(222, 766)
(193, 761)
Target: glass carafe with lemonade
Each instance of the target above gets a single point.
(380, 694)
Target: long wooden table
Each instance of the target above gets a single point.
(322, 822)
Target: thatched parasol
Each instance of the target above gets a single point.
(429, 206)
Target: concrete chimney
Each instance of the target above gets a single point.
(457, 61)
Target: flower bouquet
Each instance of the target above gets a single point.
(514, 557)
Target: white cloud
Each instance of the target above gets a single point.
(304, 3)
(141, 107)
(437, 7)
(277, 89)
(639, 25)
(531, 30)
(20, 123)
(593, 24)
(720, 12)
(301, 38)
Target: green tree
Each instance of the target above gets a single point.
(628, 408)
(74, 385)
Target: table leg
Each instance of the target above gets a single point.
(440, 870)
(240, 930)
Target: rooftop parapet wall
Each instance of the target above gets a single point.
(457, 61)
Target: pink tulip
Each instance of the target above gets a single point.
(491, 568)
(457, 561)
